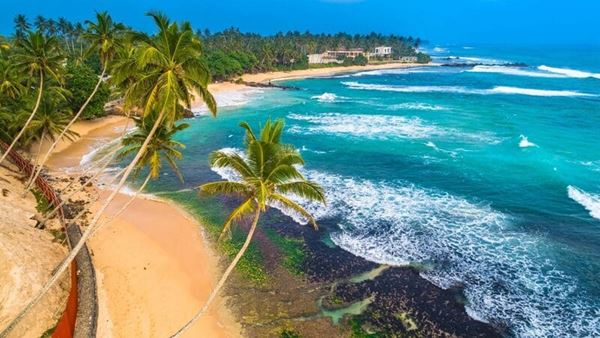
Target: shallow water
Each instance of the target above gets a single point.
(488, 175)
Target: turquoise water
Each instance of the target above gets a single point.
(490, 175)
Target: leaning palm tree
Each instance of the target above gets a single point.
(162, 147)
(38, 56)
(51, 119)
(172, 73)
(267, 176)
(105, 38)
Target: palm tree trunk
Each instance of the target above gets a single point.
(127, 204)
(110, 158)
(37, 105)
(65, 199)
(223, 279)
(35, 163)
(73, 120)
(86, 234)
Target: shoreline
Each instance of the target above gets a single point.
(304, 73)
(141, 262)
(138, 257)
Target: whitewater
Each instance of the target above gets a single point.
(487, 175)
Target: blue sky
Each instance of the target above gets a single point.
(439, 21)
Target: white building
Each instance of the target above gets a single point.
(382, 51)
(408, 59)
(335, 56)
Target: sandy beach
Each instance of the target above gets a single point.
(303, 73)
(154, 267)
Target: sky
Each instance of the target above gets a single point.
(437, 21)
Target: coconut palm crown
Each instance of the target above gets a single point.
(171, 71)
(161, 148)
(267, 173)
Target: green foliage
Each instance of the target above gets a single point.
(357, 330)
(292, 250)
(80, 81)
(231, 53)
(423, 58)
(43, 205)
(210, 213)
(251, 265)
(289, 333)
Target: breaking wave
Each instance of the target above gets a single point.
(590, 202)
(525, 143)
(415, 106)
(229, 99)
(381, 127)
(466, 243)
(566, 72)
(464, 90)
(513, 71)
(326, 97)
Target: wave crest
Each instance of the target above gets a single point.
(381, 127)
(464, 90)
(513, 71)
(325, 97)
(590, 202)
(566, 72)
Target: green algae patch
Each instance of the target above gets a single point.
(292, 250)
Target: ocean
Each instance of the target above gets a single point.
(487, 176)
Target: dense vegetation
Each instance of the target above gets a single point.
(231, 53)
(54, 73)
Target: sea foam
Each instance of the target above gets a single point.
(513, 71)
(230, 99)
(590, 202)
(326, 97)
(382, 127)
(525, 143)
(570, 72)
(466, 243)
(464, 90)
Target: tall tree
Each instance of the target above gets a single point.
(268, 175)
(172, 75)
(52, 117)
(162, 147)
(39, 56)
(21, 26)
(105, 38)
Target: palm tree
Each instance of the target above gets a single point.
(162, 147)
(38, 56)
(11, 81)
(171, 74)
(21, 26)
(268, 175)
(53, 115)
(105, 38)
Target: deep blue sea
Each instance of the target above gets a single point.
(489, 176)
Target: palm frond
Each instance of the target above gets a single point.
(286, 202)
(304, 189)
